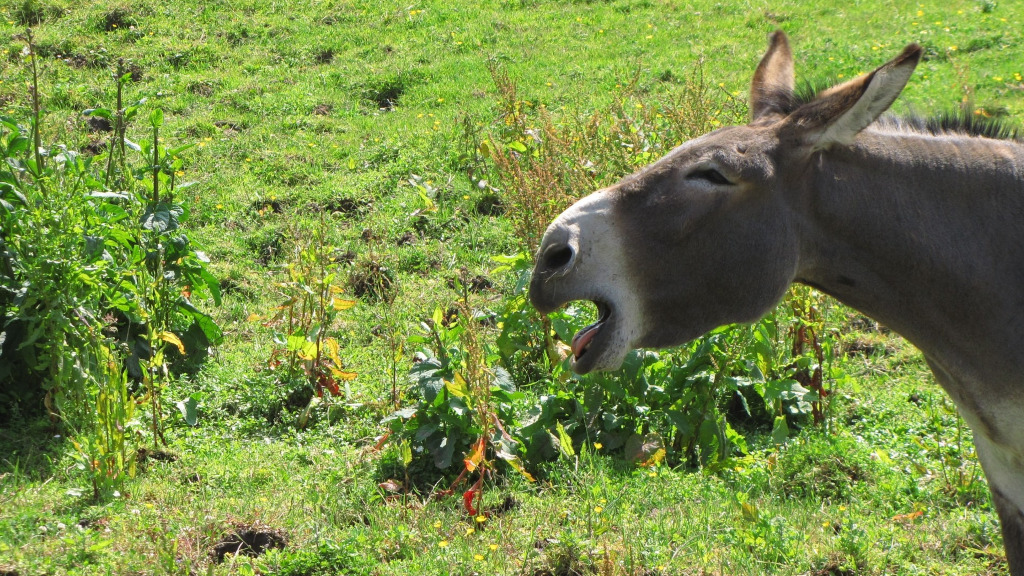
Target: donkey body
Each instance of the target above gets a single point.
(921, 230)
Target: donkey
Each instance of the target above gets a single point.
(921, 229)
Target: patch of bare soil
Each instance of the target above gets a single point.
(145, 455)
(248, 541)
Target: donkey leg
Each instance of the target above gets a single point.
(1012, 519)
(1000, 449)
(1005, 474)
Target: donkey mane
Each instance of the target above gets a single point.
(957, 121)
(960, 121)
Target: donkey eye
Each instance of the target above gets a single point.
(710, 175)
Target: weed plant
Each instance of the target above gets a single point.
(304, 354)
(98, 280)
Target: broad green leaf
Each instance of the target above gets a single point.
(444, 450)
(189, 409)
(161, 218)
(457, 406)
(564, 441)
(212, 284)
(100, 545)
(503, 380)
(402, 414)
(204, 321)
(17, 145)
(430, 387)
(780, 430)
(647, 450)
(406, 448)
(426, 430)
(99, 112)
(179, 149)
(457, 386)
(7, 189)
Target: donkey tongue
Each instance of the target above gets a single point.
(582, 339)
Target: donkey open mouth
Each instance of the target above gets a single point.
(585, 338)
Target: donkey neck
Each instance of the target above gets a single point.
(925, 234)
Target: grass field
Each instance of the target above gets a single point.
(349, 124)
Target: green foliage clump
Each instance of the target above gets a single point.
(825, 467)
(326, 558)
(97, 281)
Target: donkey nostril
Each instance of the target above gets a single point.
(557, 257)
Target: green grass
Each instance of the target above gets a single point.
(328, 110)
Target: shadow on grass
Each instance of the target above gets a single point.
(29, 449)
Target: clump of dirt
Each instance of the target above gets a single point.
(98, 124)
(404, 239)
(507, 505)
(451, 317)
(266, 246)
(95, 146)
(248, 541)
(230, 128)
(489, 205)
(117, 19)
(145, 455)
(299, 398)
(385, 92)
(201, 88)
(835, 568)
(263, 207)
(475, 284)
(347, 206)
(372, 281)
(33, 13)
(325, 56)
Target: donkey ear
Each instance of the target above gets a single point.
(771, 91)
(839, 113)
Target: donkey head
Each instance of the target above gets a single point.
(711, 233)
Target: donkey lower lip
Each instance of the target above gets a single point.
(582, 340)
